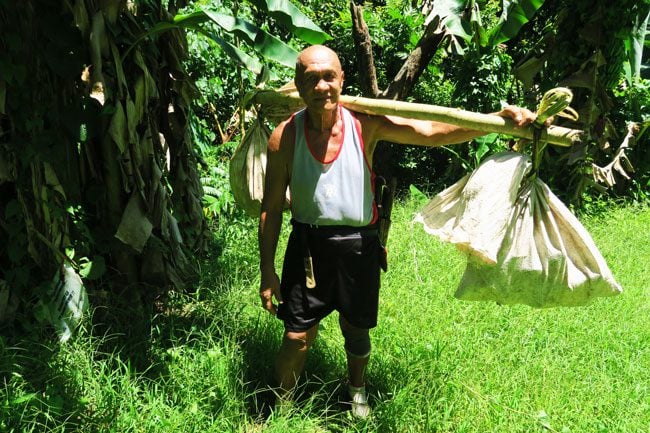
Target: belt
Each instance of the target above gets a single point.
(333, 229)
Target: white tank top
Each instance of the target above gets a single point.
(336, 192)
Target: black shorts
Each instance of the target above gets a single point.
(346, 269)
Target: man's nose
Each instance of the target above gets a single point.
(321, 85)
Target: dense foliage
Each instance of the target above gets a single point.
(98, 176)
(584, 46)
(99, 172)
(112, 118)
(71, 164)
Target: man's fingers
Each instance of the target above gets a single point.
(267, 301)
(515, 114)
(278, 296)
(521, 116)
(270, 289)
(268, 306)
(528, 116)
(524, 117)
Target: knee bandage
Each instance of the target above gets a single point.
(357, 340)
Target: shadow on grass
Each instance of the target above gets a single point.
(37, 392)
(43, 379)
(140, 332)
(255, 337)
(49, 395)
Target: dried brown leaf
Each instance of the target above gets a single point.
(135, 228)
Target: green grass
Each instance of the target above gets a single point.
(203, 362)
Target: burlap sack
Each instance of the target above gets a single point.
(523, 245)
(248, 168)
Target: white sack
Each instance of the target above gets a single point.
(248, 169)
(523, 245)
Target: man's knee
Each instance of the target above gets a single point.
(357, 340)
(300, 341)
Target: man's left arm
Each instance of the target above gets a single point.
(430, 133)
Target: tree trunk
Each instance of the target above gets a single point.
(97, 160)
(363, 45)
(402, 83)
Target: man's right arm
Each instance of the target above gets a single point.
(275, 187)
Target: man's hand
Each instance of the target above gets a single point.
(269, 289)
(521, 116)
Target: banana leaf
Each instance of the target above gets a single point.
(284, 12)
(515, 14)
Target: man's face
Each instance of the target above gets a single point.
(320, 80)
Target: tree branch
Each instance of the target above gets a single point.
(290, 102)
(363, 46)
(415, 64)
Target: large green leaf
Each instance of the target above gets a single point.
(479, 33)
(192, 21)
(264, 43)
(285, 13)
(450, 12)
(249, 62)
(515, 14)
(637, 38)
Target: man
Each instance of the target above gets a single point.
(324, 155)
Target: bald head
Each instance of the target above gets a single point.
(315, 55)
(319, 79)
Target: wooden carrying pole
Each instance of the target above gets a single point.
(287, 102)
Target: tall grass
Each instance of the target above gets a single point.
(203, 362)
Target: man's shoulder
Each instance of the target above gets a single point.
(368, 124)
(283, 135)
(365, 118)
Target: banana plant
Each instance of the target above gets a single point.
(461, 21)
(222, 27)
(485, 67)
(514, 16)
(636, 41)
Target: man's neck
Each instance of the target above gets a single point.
(322, 121)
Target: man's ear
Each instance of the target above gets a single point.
(297, 82)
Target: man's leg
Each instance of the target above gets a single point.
(357, 369)
(291, 358)
(357, 347)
